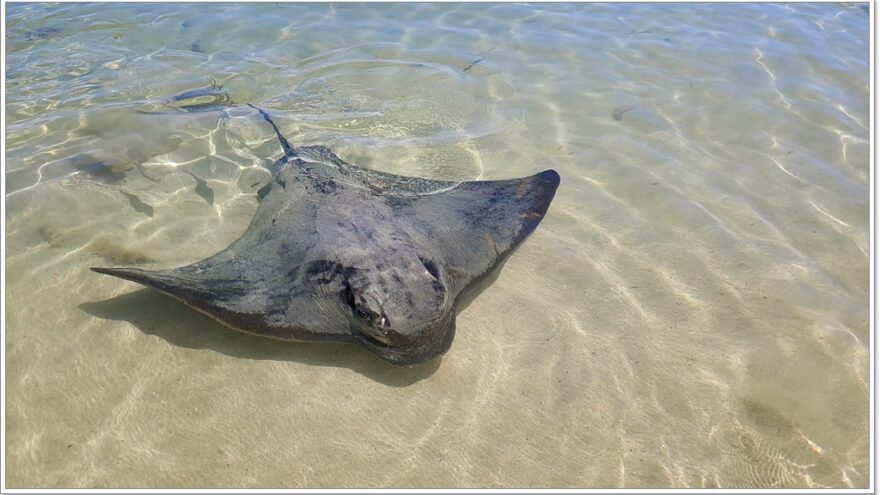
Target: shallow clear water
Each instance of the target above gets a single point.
(693, 311)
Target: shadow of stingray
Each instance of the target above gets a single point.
(157, 314)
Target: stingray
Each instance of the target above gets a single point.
(336, 252)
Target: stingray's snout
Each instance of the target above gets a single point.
(406, 348)
(382, 315)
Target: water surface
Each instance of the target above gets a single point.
(692, 312)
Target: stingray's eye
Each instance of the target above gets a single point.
(431, 267)
(375, 318)
(361, 313)
(349, 297)
(356, 308)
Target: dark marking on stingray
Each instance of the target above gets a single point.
(138, 205)
(336, 252)
(482, 57)
(203, 189)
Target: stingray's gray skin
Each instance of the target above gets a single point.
(340, 253)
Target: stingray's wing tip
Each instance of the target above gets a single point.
(549, 178)
(544, 185)
(104, 271)
(133, 274)
(116, 272)
(167, 281)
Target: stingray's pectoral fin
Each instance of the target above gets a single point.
(480, 223)
(163, 280)
(529, 198)
(133, 274)
(155, 279)
(226, 294)
(203, 294)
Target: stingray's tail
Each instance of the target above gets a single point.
(288, 149)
